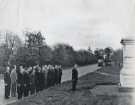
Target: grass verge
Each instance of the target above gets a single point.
(62, 94)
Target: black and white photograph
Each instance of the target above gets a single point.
(67, 52)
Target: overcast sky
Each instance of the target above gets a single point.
(80, 23)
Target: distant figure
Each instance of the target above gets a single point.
(74, 77)
(60, 74)
(13, 77)
(7, 81)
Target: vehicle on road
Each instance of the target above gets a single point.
(100, 62)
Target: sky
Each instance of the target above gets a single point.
(80, 23)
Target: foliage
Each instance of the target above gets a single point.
(108, 51)
(84, 57)
(99, 53)
(36, 51)
(34, 39)
(118, 56)
(35, 44)
(8, 48)
(63, 54)
(46, 55)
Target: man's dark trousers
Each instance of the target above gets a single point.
(74, 83)
(7, 91)
(74, 78)
(20, 91)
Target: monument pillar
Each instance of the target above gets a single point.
(127, 74)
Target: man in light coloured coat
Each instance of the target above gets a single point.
(13, 77)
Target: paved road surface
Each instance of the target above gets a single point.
(67, 75)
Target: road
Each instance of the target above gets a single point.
(67, 75)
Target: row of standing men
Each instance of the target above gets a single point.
(24, 81)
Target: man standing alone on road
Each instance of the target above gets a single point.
(74, 77)
(60, 74)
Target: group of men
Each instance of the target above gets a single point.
(23, 81)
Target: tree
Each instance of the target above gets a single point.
(36, 51)
(83, 57)
(35, 43)
(10, 45)
(21, 56)
(108, 51)
(90, 50)
(34, 39)
(117, 56)
(46, 55)
(63, 54)
(99, 53)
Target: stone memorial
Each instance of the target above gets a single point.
(127, 74)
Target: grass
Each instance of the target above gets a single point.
(62, 94)
(114, 70)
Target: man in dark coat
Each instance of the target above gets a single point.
(32, 81)
(55, 75)
(26, 82)
(7, 81)
(37, 78)
(74, 77)
(49, 77)
(41, 79)
(20, 82)
(60, 75)
(52, 76)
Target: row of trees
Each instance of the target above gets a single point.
(108, 53)
(34, 50)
